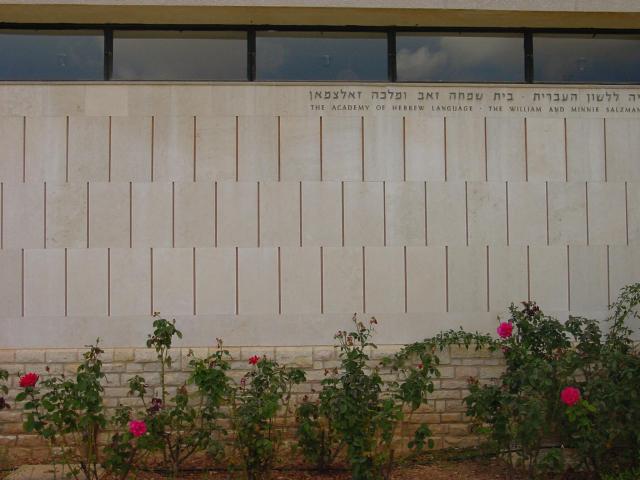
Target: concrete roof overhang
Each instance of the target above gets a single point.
(442, 13)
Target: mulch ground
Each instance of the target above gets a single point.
(439, 470)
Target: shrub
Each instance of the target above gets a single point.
(4, 376)
(263, 392)
(69, 413)
(566, 384)
(177, 427)
(359, 412)
(603, 424)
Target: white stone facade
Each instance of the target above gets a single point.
(269, 214)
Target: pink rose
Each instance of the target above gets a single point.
(570, 396)
(29, 380)
(505, 329)
(137, 428)
(254, 360)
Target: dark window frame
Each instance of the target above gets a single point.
(529, 61)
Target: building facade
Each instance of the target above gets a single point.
(260, 171)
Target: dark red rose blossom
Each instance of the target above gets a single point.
(29, 380)
(254, 360)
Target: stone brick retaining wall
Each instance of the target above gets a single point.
(444, 413)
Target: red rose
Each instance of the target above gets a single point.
(29, 380)
(137, 428)
(254, 360)
(505, 329)
(570, 396)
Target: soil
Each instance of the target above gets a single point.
(438, 470)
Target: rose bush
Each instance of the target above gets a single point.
(4, 376)
(264, 393)
(69, 413)
(358, 413)
(566, 385)
(176, 427)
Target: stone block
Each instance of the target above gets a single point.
(280, 214)
(424, 148)
(109, 205)
(322, 213)
(363, 213)
(215, 148)
(383, 148)
(173, 148)
(66, 215)
(194, 210)
(88, 154)
(151, 214)
(131, 146)
(405, 204)
(342, 148)
(299, 148)
(46, 149)
(23, 215)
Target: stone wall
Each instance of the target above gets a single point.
(444, 413)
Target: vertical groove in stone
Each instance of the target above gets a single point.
(45, 216)
(384, 214)
(342, 185)
(321, 280)
(1, 215)
(66, 167)
(404, 148)
(445, 148)
(364, 283)
(279, 283)
(506, 193)
(528, 275)
(151, 278)
(24, 149)
(362, 144)
(108, 282)
(237, 285)
(279, 150)
(604, 129)
(195, 156)
(109, 143)
(426, 217)
(215, 213)
(626, 210)
(526, 152)
(608, 278)
(568, 279)
(130, 215)
(321, 150)
(488, 287)
(300, 211)
(406, 300)
(546, 193)
(586, 201)
(66, 282)
(486, 156)
(566, 153)
(153, 133)
(173, 214)
(22, 282)
(87, 214)
(237, 147)
(446, 277)
(466, 212)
